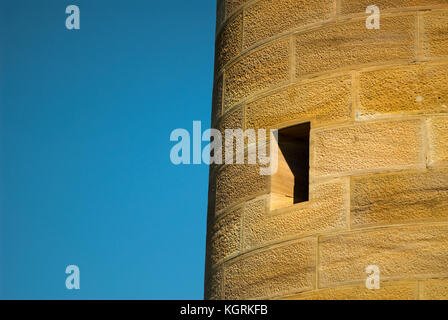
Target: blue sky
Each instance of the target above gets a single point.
(85, 171)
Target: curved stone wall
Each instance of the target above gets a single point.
(377, 100)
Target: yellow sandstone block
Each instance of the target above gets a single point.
(435, 41)
(326, 212)
(233, 5)
(401, 197)
(366, 147)
(351, 44)
(359, 6)
(272, 272)
(233, 119)
(410, 89)
(225, 238)
(213, 290)
(388, 291)
(322, 101)
(237, 182)
(260, 70)
(266, 18)
(228, 42)
(438, 141)
(220, 14)
(217, 99)
(399, 253)
(436, 289)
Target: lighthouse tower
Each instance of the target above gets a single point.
(358, 208)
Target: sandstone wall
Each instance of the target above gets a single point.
(377, 101)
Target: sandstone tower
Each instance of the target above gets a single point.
(363, 177)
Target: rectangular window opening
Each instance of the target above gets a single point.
(290, 185)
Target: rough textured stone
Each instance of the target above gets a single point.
(322, 101)
(217, 99)
(225, 239)
(211, 205)
(400, 253)
(410, 89)
(435, 41)
(233, 119)
(368, 146)
(228, 41)
(436, 289)
(438, 141)
(257, 71)
(350, 6)
(220, 13)
(271, 272)
(325, 212)
(233, 5)
(266, 18)
(388, 291)
(213, 290)
(351, 44)
(401, 197)
(237, 182)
